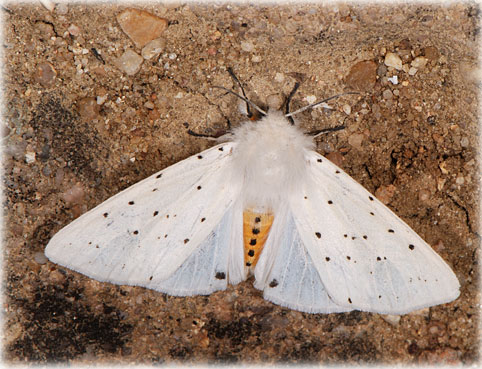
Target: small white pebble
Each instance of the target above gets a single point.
(30, 157)
(101, 99)
(310, 99)
(179, 95)
(393, 79)
(172, 56)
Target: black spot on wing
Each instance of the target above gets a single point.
(318, 234)
(155, 213)
(220, 275)
(411, 247)
(106, 215)
(159, 175)
(251, 252)
(131, 202)
(273, 283)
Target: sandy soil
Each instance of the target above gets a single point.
(412, 143)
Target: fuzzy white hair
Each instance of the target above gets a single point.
(269, 159)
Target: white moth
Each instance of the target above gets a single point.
(263, 203)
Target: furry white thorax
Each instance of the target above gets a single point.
(270, 161)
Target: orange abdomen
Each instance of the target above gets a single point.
(256, 228)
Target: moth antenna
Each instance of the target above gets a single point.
(314, 105)
(242, 98)
(235, 78)
(288, 100)
(320, 132)
(202, 135)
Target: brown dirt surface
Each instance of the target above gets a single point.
(77, 130)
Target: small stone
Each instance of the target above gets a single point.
(74, 30)
(460, 180)
(356, 140)
(40, 258)
(279, 77)
(153, 48)
(149, 105)
(385, 193)
(346, 109)
(141, 26)
(88, 109)
(101, 99)
(443, 167)
(431, 53)
(130, 62)
(335, 157)
(73, 195)
(247, 46)
(310, 99)
(391, 319)
(393, 79)
(387, 94)
(45, 74)
(62, 8)
(30, 157)
(412, 71)
(362, 76)
(381, 70)
(419, 62)
(393, 60)
(48, 4)
(464, 142)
